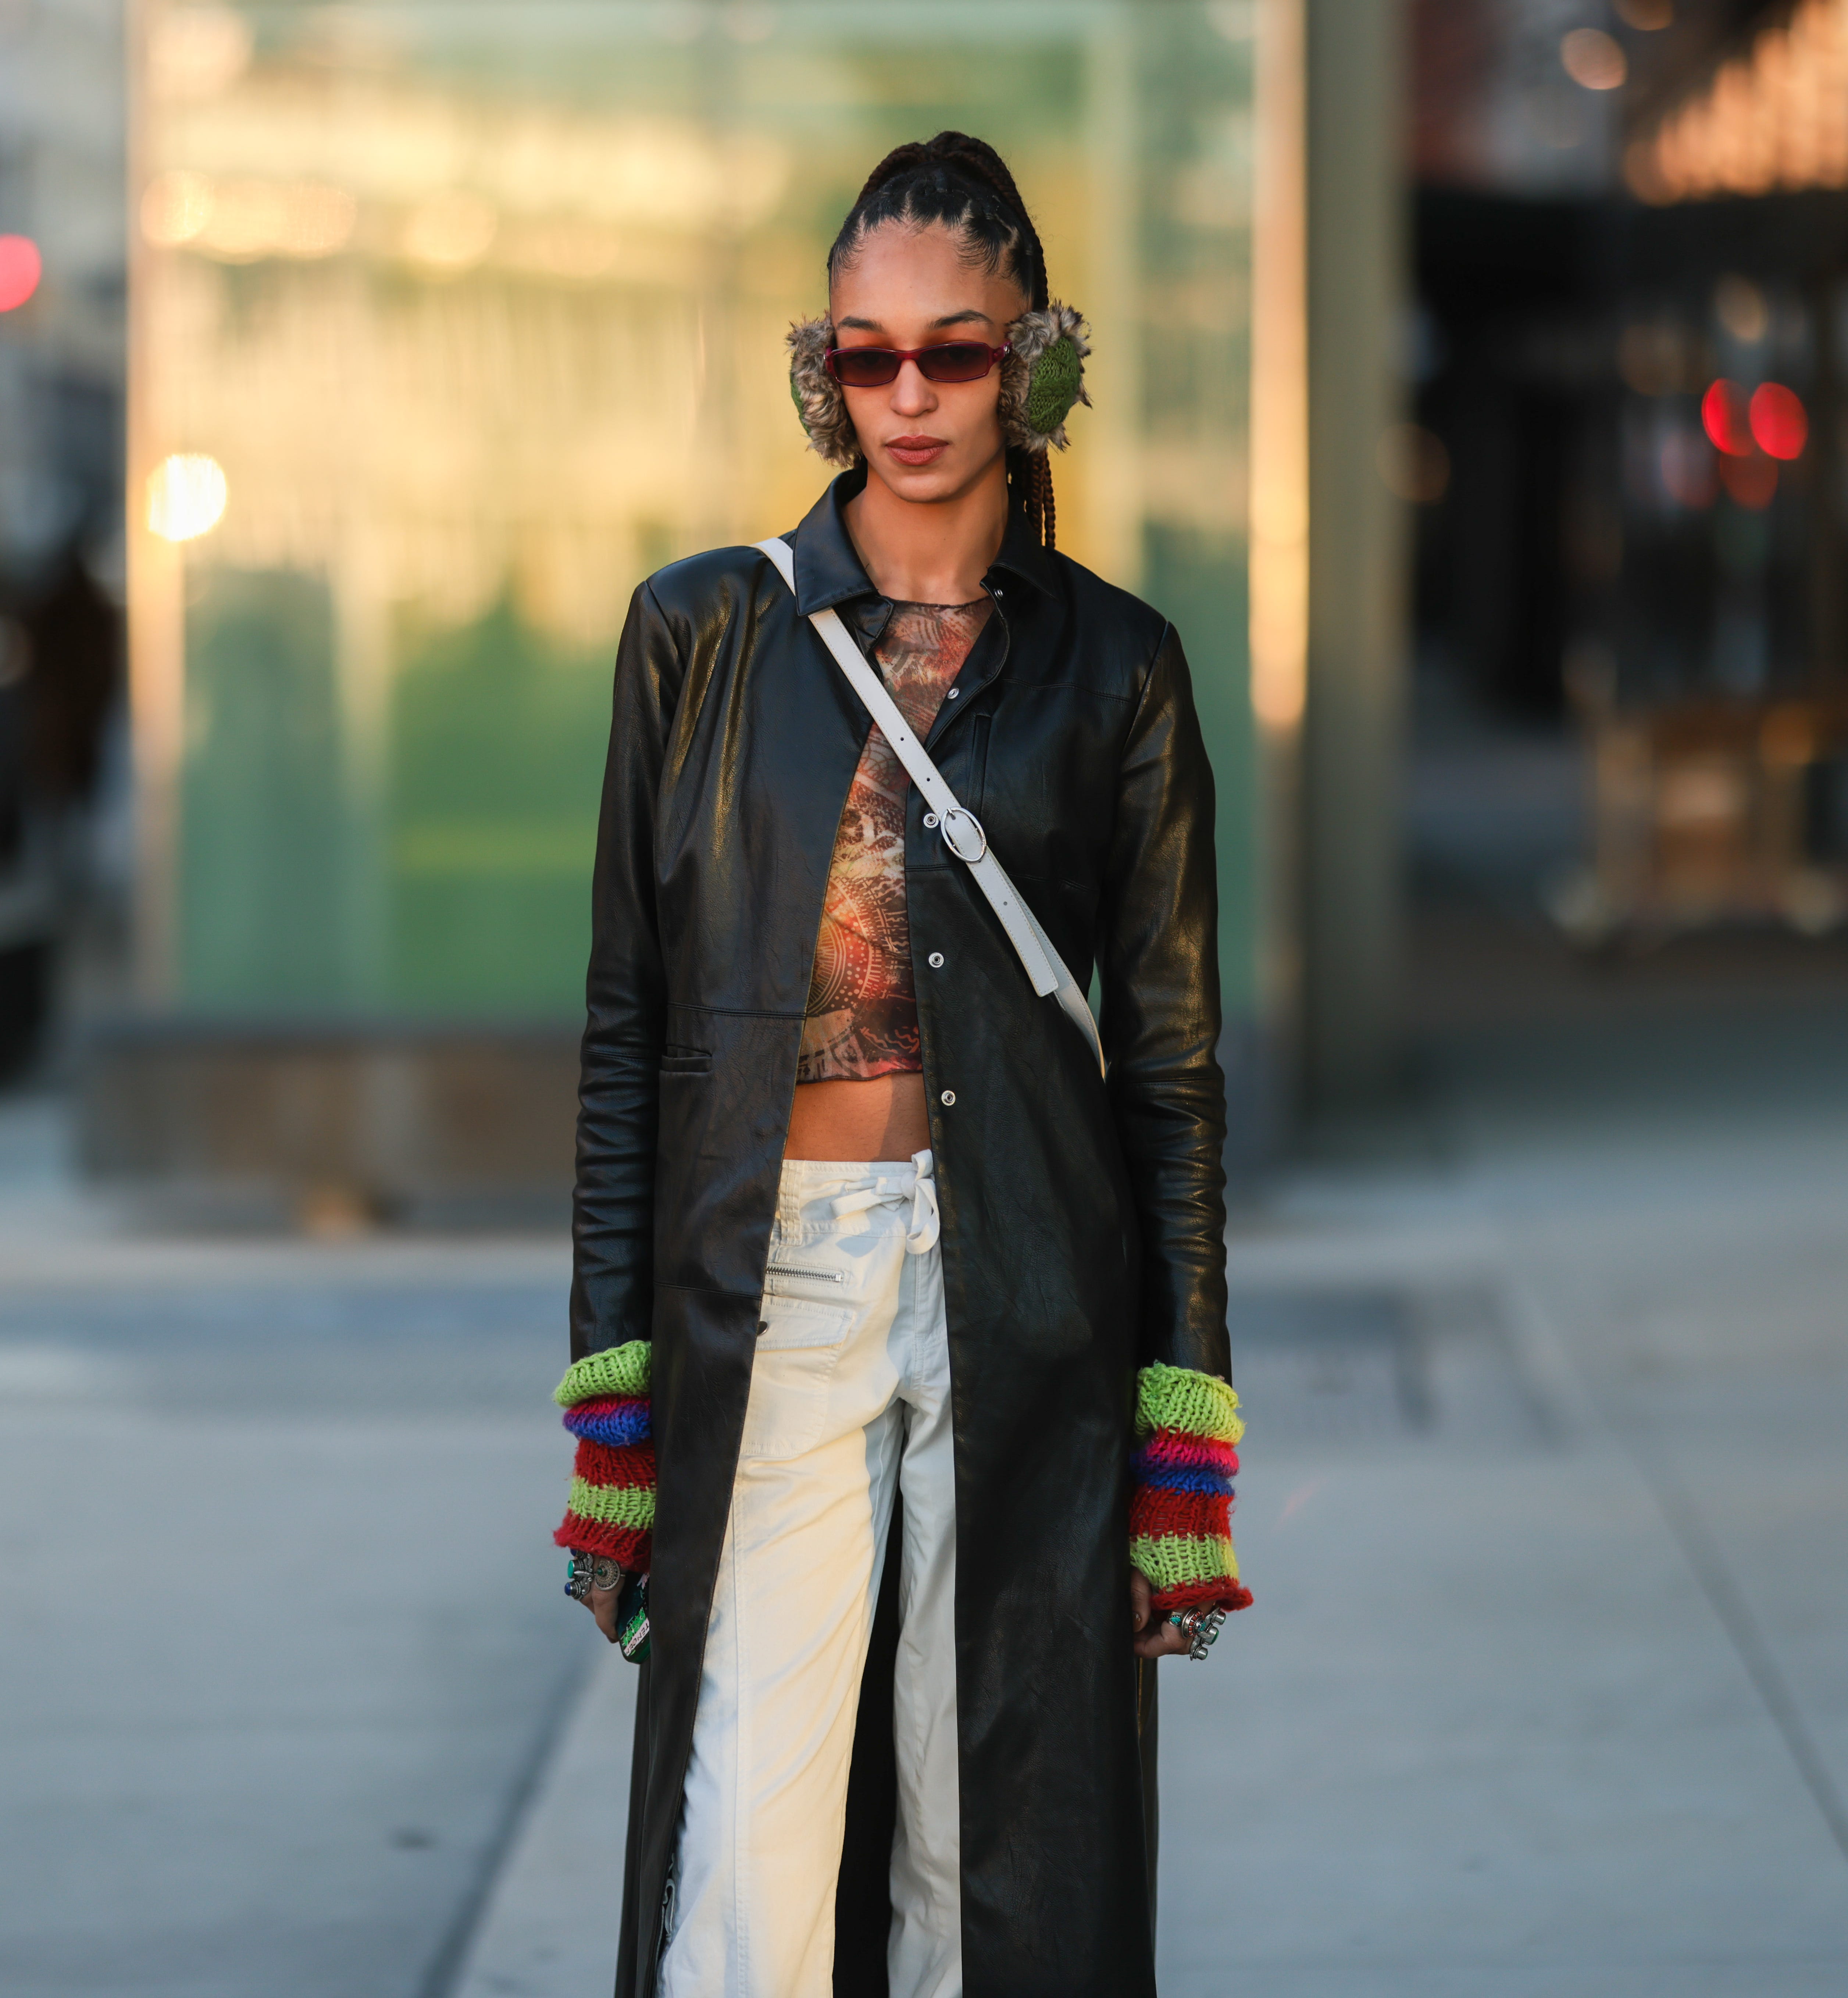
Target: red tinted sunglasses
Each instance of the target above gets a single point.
(873, 367)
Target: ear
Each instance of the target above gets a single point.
(1042, 379)
(817, 395)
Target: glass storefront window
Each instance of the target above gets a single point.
(453, 321)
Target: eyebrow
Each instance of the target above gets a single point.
(948, 319)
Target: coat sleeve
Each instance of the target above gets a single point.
(1159, 962)
(605, 1396)
(1159, 967)
(612, 1215)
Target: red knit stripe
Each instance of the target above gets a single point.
(630, 1547)
(1219, 1595)
(1176, 1447)
(608, 1404)
(1185, 1515)
(629, 1466)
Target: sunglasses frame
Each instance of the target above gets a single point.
(901, 355)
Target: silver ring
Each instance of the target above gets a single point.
(1200, 1628)
(950, 839)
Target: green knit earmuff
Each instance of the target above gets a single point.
(1042, 381)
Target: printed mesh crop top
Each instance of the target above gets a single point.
(862, 1007)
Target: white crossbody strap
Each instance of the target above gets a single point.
(962, 830)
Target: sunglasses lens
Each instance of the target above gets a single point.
(958, 360)
(864, 366)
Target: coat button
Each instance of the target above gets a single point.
(930, 821)
(955, 692)
(936, 960)
(947, 1098)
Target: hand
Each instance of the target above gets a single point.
(1155, 1637)
(601, 1604)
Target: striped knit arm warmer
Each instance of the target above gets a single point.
(605, 1397)
(1180, 1510)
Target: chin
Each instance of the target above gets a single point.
(924, 483)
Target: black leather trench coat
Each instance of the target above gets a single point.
(1083, 1220)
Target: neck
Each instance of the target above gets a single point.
(929, 551)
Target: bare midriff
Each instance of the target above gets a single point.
(882, 1118)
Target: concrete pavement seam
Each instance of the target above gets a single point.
(445, 1970)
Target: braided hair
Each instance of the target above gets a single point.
(964, 185)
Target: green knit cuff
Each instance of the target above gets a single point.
(1197, 1405)
(617, 1370)
(1173, 1563)
(613, 1504)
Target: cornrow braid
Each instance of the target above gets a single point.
(981, 160)
(963, 184)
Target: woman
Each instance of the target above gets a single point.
(893, 1277)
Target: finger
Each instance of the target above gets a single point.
(1164, 1642)
(602, 1607)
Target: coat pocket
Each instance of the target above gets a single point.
(798, 1346)
(678, 1060)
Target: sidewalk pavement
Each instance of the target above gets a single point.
(1545, 1504)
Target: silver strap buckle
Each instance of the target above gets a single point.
(954, 838)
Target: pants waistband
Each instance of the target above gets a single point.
(830, 1192)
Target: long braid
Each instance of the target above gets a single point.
(965, 183)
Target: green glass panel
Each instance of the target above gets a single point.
(263, 820)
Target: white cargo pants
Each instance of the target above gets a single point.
(850, 1403)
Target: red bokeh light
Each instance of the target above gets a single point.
(1780, 422)
(20, 265)
(1723, 416)
(1749, 481)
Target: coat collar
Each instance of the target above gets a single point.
(829, 571)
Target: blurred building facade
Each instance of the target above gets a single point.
(449, 324)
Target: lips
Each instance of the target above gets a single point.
(918, 450)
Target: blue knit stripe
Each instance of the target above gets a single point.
(619, 1427)
(1174, 1477)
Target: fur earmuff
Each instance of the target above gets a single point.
(1042, 380)
(817, 395)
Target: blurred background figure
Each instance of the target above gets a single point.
(63, 286)
(1488, 449)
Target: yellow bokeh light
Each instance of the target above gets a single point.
(186, 494)
(238, 221)
(175, 208)
(1594, 60)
